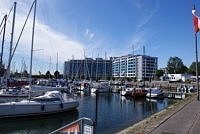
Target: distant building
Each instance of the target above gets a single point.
(88, 68)
(138, 67)
(177, 77)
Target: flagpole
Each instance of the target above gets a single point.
(197, 73)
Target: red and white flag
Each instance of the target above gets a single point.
(196, 21)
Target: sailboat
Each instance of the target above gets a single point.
(51, 102)
(10, 87)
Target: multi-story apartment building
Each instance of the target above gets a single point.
(88, 68)
(138, 67)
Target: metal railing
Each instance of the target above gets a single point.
(81, 126)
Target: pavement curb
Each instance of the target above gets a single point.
(146, 125)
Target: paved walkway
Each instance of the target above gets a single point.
(185, 121)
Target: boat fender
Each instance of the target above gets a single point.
(61, 105)
(42, 107)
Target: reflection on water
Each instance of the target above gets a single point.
(114, 113)
(37, 125)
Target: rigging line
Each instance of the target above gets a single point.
(7, 18)
(2, 46)
(2, 22)
(19, 38)
(10, 11)
(3, 39)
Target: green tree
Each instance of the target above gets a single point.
(192, 68)
(48, 74)
(25, 73)
(175, 66)
(56, 74)
(159, 73)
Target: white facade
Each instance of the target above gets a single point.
(134, 66)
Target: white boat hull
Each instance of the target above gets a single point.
(154, 95)
(93, 90)
(123, 93)
(28, 108)
(37, 88)
(126, 91)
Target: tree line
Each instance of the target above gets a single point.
(56, 75)
(175, 65)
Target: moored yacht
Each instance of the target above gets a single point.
(127, 91)
(14, 92)
(155, 93)
(134, 92)
(103, 87)
(100, 87)
(51, 102)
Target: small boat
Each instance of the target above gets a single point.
(44, 85)
(85, 88)
(100, 87)
(103, 87)
(139, 93)
(17, 82)
(155, 93)
(14, 92)
(49, 103)
(127, 91)
(93, 90)
(134, 92)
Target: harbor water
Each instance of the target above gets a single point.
(112, 114)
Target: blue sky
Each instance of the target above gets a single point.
(68, 27)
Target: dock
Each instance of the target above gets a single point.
(185, 120)
(180, 118)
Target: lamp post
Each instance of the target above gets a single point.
(197, 73)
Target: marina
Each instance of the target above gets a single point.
(92, 94)
(114, 113)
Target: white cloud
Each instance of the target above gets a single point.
(136, 3)
(139, 40)
(149, 16)
(88, 34)
(46, 38)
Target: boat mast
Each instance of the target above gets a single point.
(49, 66)
(105, 66)
(57, 66)
(2, 46)
(72, 74)
(144, 64)
(11, 41)
(32, 41)
(84, 65)
(97, 64)
(133, 62)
